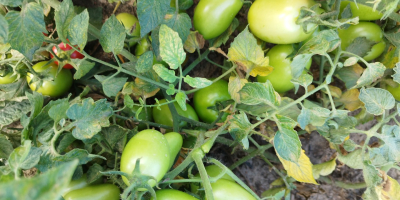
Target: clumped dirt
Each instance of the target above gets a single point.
(255, 172)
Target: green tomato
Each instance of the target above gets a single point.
(151, 147)
(282, 74)
(164, 115)
(95, 192)
(175, 142)
(228, 190)
(131, 24)
(143, 46)
(212, 171)
(363, 12)
(143, 115)
(8, 78)
(370, 31)
(76, 184)
(275, 21)
(170, 194)
(211, 18)
(208, 97)
(54, 88)
(395, 91)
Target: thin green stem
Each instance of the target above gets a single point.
(195, 63)
(214, 63)
(343, 184)
(330, 98)
(143, 121)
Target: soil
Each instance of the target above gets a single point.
(255, 172)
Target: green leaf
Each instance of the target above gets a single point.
(245, 51)
(256, 93)
(164, 73)
(373, 72)
(111, 86)
(350, 61)
(197, 82)
(24, 157)
(26, 29)
(171, 47)
(350, 75)
(396, 75)
(183, 4)
(63, 17)
(389, 152)
(78, 29)
(239, 128)
(179, 22)
(376, 100)
(112, 36)
(171, 90)
(286, 141)
(94, 173)
(89, 117)
(82, 155)
(145, 62)
(324, 169)
(49, 185)
(5, 147)
(181, 100)
(360, 46)
(349, 145)
(11, 3)
(234, 86)
(325, 41)
(299, 64)
(115, 136)
(353, 159)
(59, 111)
(82, 67)
(13, 111)
(151, 13)
(372, 176)
(304, 80)
(3, 30)
(314, 115)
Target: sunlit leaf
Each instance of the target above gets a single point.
(171, 47)
(112, 35)
(324, 169)
(301, 171)
(376, 100)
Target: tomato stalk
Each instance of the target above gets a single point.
(198, 155)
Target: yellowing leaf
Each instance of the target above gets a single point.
(335, 91)
(261, 71)
(324, 169)
(234, 86)
(350, 99)
(301, 171)
(391, 189)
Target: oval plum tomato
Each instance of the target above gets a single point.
(54, 88)
(94, 192)
(370, 31)
(395, 91)
(131, 24)
(152, 148)
(211, 18)
(208, 97)
(8, 78)
(67, 47)
(171, 194)
(282, 74)
(363, 12)
(175, 142)
(275, 21)
(164, 115)
(228, 190)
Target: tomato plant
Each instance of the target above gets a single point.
(282, 74)
(132, 26)
(164, 116)
(370, 31)
(152, 148)
(94, 192)
(363, 12)
(54, 88)
(208, 97)
(275, 21)
(171, 194)
(145, 114)
(212, 18)
(64, 48)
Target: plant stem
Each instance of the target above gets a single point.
(342, 184)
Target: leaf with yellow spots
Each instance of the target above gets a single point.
(234, 86)
(261, 71)
(302, 170)
(350, 99)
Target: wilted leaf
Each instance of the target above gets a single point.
(350, 99)
(371, 74)
(234, 86)
(194, 41)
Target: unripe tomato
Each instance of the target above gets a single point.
(212, 171)
(131, 24)
(55, 88)
(142, 47)
(369, 30)
(8, 78)
(170, 194)
(164, 116)
(275, 21)
(211, 18)
(63, 47)
(282, 74)
(228, 190)
(208, 97)
(363, 12)
(152, 148)
(76, 184)
(175, 142)
(395, 91)
(95, 192)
